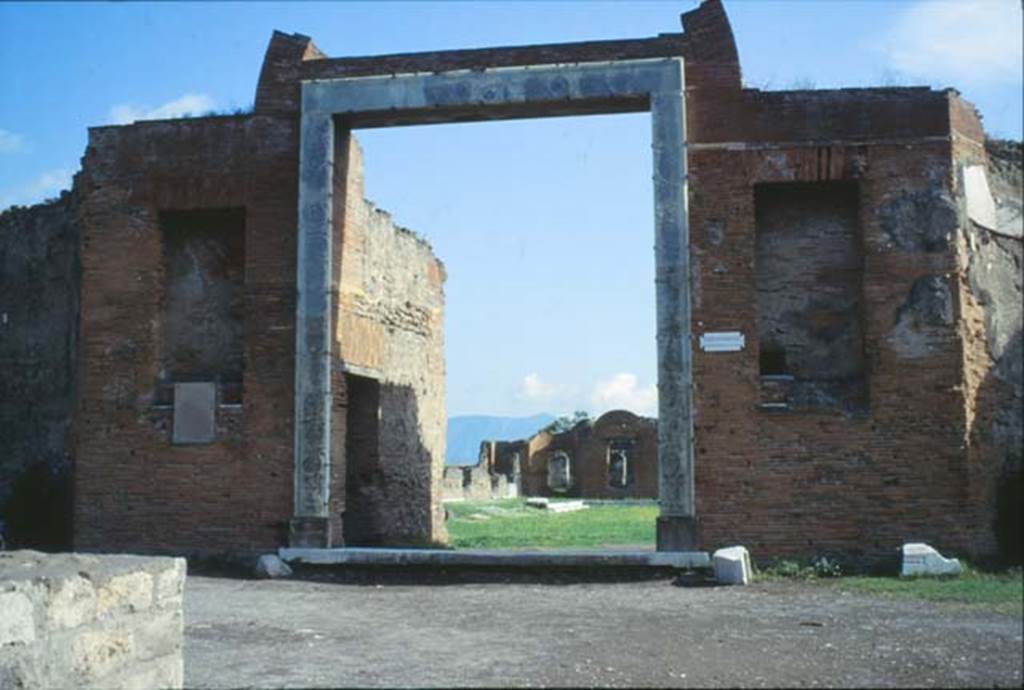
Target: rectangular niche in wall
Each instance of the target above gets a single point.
(809, 274)
(203, 300)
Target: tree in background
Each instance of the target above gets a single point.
(567, 422)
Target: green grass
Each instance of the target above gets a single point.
(1003, 592)
(510, 524)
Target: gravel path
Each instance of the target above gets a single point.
(246, 633)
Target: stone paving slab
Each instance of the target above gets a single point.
(575, 558)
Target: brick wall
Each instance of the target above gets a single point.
(800, 482)
(39, 301)
(133, 489)
(782, 481)
(390, 326)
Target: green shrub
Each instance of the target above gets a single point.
(818, 567)
(826, 567)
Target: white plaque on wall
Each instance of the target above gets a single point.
(724, 341)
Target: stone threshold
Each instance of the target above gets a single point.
(567, 558)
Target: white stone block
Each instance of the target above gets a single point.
(565, 506)
(17, 625)
(537, 502)
(72, 603)
(169, 584)
(921, 559)
(732, 565)
(95, 653)
(270, 566)
(131, 591)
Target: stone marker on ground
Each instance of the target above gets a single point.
(269, 566)
(732, 565)
(556, 507)
(566, 506)
(921, 559)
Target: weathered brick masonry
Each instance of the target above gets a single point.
(613, 456)
(828, 227)
(39, 295)
(858, 482)
(134, 489)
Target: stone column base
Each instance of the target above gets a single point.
(309, 533)
(677, 534)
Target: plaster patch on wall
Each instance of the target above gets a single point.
(981, 207)
(919, 221)
(923, 320)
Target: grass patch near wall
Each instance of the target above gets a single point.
(1002, 592)
(510, 524)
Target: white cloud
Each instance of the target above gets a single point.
(957, 43)
(10, 142)
(48, 184)
(533, 387)
(189, 104)
(622, 391)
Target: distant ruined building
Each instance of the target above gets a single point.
(612, 457)
(214, 342)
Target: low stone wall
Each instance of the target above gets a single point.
(475, 483)
(76, 620)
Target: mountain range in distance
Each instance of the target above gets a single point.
(466, 432)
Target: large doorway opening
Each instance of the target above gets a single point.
(365, 485)
(543, 228)
(333, 108)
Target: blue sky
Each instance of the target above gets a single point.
(544, 225)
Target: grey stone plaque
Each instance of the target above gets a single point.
(195, 410)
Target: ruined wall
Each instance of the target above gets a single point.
(188, 255)
(989, 281)
(494, 476)
(809, 272)
(390, 326)
(134, 489)
(787, 481)
(474, 483)
(938, 362)
(39, 302)
(78, 621)
(593, 448)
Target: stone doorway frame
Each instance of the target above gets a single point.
(333, 107)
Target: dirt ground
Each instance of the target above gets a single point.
(395, 633)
